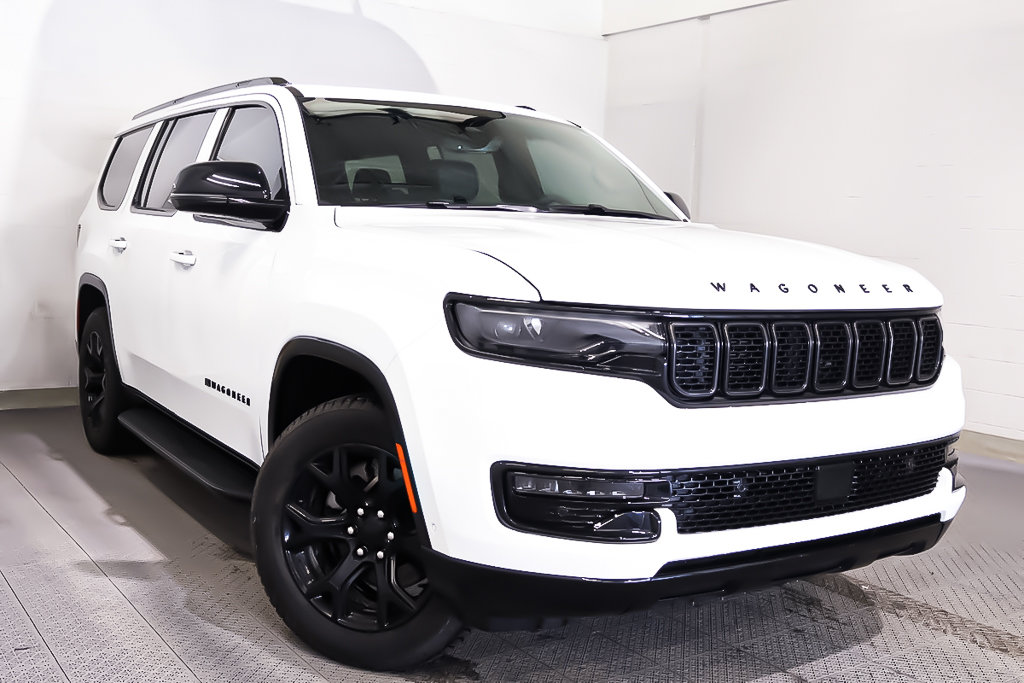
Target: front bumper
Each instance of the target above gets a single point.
(461, 414)
(499, 599)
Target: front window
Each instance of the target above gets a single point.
(416, 155)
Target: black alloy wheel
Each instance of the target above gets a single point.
(336, 542)
(101, 396)
(349, 538)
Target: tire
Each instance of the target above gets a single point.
(101, 395)
(331, 524)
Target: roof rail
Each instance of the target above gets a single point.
(267, 80)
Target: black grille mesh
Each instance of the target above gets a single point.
(739, 497)
(750, 359)
(695, 358)
(746, 359)
(792, 357)
(833, 362)
(869, 353)
(930, 348)
(903, 337)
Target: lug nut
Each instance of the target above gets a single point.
(380, 514)
(351, 531)
(380, 554)
(360, 552)
(391, 536)
(360, 511)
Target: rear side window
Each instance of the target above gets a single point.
(251, 134)
(120, 167)
(178, 147)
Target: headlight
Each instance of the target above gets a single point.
(598, 342)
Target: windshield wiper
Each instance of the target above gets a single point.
(442, 204)
(599, 210)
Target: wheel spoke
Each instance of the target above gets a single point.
(386, 484)
(93, 380)
(94, 347)
(95, 406)
(389, 592)
(311, 528)
(340, 578)
(338, 480)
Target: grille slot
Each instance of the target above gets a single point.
(739, 497)
(695, 358)
(930, 351)
(791, 357)
(868, 353)
(746, 358)
(833, 361)
(902, 351)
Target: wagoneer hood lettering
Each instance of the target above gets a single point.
(653, 264)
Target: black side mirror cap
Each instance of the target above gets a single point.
(678, 201)
(233, 189)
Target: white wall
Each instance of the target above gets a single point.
(75, 72)
(889, 128)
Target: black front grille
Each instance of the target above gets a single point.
(740, 359)
(748, 496)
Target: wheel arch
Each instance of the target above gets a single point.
(92, 294)
(322, 367)
(324, 362)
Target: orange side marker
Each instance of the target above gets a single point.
(405, 476)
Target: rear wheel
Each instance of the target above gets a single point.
(336, 542)
(101, 396)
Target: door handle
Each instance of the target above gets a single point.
(185, 258)
(119, 244)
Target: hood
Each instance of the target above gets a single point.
(636, 263)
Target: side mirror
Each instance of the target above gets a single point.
(676, 199)
(235, 189)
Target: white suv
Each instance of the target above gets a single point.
(474, 368)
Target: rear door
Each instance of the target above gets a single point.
(152, 258)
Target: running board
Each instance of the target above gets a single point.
(200, 459)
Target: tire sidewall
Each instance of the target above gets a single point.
(424, 636)
(107, 436)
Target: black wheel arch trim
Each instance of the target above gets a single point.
(371, 372)
(90, 280)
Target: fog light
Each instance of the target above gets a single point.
(577, 487)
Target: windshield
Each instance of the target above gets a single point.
(404, 154)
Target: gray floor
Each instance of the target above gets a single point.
(122, 569)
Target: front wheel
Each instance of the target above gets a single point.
(336, 543)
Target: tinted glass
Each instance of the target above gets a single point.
(121, 166)
(402, 154)
(178, 148)
(252, 135)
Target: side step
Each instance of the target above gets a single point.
(217, 469)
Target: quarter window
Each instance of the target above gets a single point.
(120, 167)
(178, 147)
(252, 135)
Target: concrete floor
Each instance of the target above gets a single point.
(122, 569)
